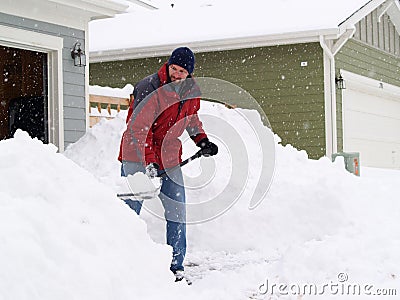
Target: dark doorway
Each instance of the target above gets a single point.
(23, 93)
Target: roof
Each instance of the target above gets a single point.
(223, 24)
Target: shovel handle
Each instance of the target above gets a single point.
(164, 173)
(186, 161)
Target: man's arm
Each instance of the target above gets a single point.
(195, 126)
(143, 113)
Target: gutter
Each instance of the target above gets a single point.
(330, 49)
(214, 45)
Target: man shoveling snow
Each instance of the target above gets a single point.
(166, 104)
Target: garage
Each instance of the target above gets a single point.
(371, 121)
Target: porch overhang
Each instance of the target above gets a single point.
(72, 13)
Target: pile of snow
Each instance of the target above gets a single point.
(125, 92)
(65, 234)
(317, 221)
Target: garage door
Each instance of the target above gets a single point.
(371, 121)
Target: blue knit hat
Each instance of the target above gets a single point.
(184, 58)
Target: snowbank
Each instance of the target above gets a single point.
(65, 235)
(316, 222)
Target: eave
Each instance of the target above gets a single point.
(97, 8)
(216, 45)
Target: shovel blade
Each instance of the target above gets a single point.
(141, 187)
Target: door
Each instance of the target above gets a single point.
(371, 121)
(23, 93)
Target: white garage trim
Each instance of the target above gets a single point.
(371, 86)
(371, 120)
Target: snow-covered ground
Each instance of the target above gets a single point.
(65, 235)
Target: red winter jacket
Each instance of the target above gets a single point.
(157, 118)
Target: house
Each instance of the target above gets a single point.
(292, 56)
(43, 89)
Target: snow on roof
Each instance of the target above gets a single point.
(191, 21)
(111, 92)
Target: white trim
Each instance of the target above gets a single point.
(394, 14)
(215, 45)
(360, 14)
(143, 4)
(32, 40)
(87, 102)
(330, 49)
(371, 86)
(52, 45)
(349, 33)
(384, 8)
(329, 98)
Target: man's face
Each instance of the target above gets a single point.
(177, 73)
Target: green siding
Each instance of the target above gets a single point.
(359, 58)
(368, 61)
(292, 96)
(120, 73)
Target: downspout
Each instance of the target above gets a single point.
(330, 89)
(87, 96)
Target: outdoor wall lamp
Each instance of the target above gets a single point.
(340, 84)
(78, 55)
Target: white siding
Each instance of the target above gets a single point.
(381, 35)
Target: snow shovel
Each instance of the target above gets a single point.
(163, 173)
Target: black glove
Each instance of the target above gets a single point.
(208, 148)
(151, 170)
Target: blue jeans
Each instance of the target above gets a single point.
(173, 199)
